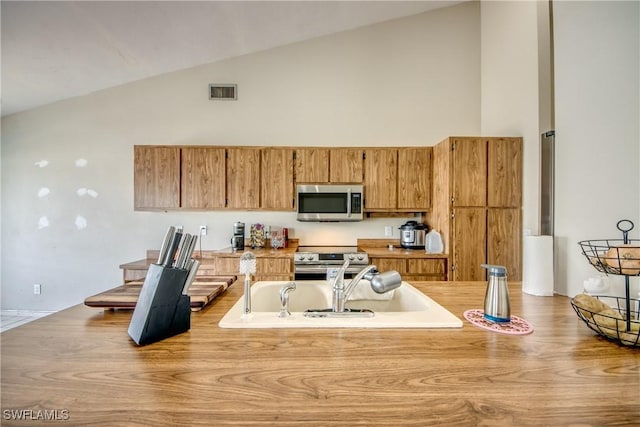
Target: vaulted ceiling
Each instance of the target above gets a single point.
(57, 50)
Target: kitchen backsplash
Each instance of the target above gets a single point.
(220, 227)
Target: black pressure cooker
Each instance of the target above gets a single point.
(412, 235)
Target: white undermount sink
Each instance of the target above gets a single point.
(408, 308)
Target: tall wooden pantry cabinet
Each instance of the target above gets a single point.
(477, 204)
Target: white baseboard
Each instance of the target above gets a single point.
(30, 313)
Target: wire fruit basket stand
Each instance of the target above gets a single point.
(615, 318)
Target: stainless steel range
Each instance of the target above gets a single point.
(312, 262)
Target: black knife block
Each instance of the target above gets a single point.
(161, 311)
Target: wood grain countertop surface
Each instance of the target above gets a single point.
(208, 257)
(259, 252)
(379, 248)
(81, 361)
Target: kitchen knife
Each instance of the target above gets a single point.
(190, 250)
(185, 251)
(165, 244)
(184, 242)
(192, 274)
(173, 247)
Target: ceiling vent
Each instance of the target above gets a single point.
(224, 92)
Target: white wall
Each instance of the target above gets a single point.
(516, 91)
(596, 113)
(510, 89)
(597, 81)
(411, 81)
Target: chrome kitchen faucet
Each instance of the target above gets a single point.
(284, 299)
(380, 283)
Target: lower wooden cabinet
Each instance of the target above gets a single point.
(469, 248)
(416, 269)
(386, 264)
(427, 269)
(504, 240)
(266, 268)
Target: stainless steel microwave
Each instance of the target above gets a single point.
(329, 202)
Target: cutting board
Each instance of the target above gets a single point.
(202, 292)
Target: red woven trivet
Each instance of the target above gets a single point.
(517, 326)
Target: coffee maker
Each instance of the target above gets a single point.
(237, 240)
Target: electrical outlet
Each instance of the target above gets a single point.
(388, 231)
(203, 230)
(37, 289)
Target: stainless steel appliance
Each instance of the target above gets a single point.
(312, 262)
(412, 235)
(237, 240)
(329, 202)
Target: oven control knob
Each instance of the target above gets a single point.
(301, 257)
(360, 257)
(351, 257)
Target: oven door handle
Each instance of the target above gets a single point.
(323, 269)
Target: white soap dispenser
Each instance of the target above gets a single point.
(496, 301)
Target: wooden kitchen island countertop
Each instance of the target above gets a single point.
(82, 361)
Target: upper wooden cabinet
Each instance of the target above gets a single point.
(277, 187)
(243, 178)
(469, 171)
(397, 179)
(156, 177)
(487, 172)
(346, 165)
(380, 178)
(414, 179)
(329, 165)
(203, 178)
(312, 165)
(504, 172)
(215, 178)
